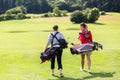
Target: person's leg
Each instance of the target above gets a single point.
(53, 65)
(59, 61)
(82, 61)
(88, 61)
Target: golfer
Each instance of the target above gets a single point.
(54, 42)
(85, 36)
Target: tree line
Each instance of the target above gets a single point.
(33, 6)
(43, 6)
(14, 14)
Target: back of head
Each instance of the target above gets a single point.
(55, 27)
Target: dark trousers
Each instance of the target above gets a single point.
(59, 60)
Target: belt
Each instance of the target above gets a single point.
(56, 45)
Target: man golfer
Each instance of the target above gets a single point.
(54, 42)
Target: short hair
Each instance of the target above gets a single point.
(83, 24)
(55, 27)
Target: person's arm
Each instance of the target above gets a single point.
(81, 38)
(48, 43)
(91, 40)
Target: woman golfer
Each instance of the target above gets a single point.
(85, 36)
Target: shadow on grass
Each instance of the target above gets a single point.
(26, 31)
(46, 30)
(97, 23)
(73, 29)
(64, 78)
(99, 74)
(92, 76)
(17, 31)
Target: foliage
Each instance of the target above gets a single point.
(88, 15)
(57, 12)
(14, 13)
(45, 15)
(9, 16)
(93, 15)
(20, 16)
(102, 13)
(50, 14)
(19, 9)
(1, 17)
(64, 12)
(44, 6)
(75, 7)
(62, 5)
(77, 17)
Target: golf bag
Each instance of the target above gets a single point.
(82, 48)
(49, 53)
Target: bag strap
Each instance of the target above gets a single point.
(54, 36)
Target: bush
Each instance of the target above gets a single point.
(86, 12)
(88, 15)
(57, 12)
(9, 16)
(14, 13)
(20, 9)
(45, 15)
(20, 16)
(50, 14)
(1, 17)
(102, 13)
(93, 15)
(77, 17)
(64, 12)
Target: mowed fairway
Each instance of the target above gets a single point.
(21, 42)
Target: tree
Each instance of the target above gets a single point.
(45, 7)
(42, 6)
(75, 7)
(62, 5)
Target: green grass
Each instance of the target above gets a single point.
(21, 42)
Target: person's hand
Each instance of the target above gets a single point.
(44, 50)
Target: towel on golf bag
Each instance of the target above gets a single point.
(48, 54)
(81, 48)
